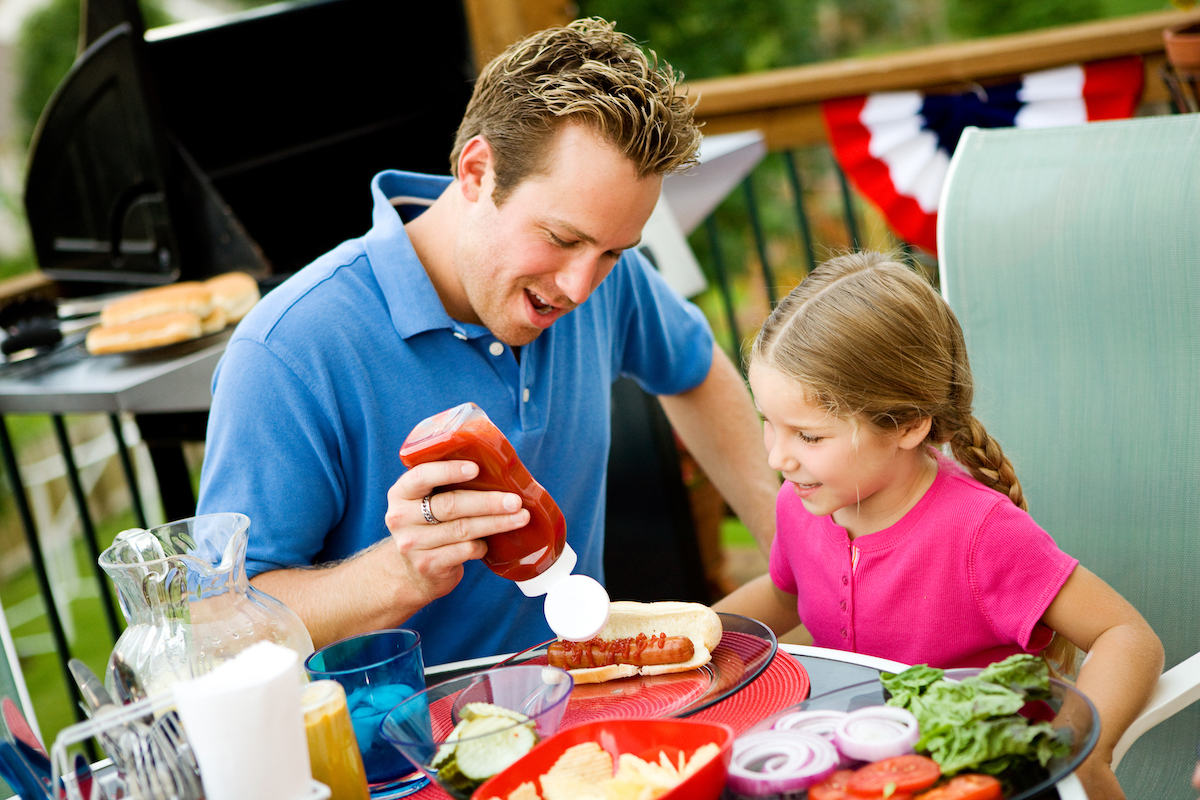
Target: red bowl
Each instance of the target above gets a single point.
(644, 738)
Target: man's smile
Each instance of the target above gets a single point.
(540, 304)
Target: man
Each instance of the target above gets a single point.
(473, 288)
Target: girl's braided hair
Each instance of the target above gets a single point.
(870, 339)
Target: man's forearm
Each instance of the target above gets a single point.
(718, 424)
(341, 599)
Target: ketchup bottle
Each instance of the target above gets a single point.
(537, 557)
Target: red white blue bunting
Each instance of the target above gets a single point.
(895, 147)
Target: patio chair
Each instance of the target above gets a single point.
(12, 684)
(1071, 258)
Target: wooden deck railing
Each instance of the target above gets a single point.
(785, 103)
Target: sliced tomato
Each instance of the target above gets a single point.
(902, 774)
(965, 787)
(837, 787)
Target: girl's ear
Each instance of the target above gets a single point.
(915, 434)
(474, 169)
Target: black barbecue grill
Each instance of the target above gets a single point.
(246, 143)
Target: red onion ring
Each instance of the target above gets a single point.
(877, 732)
(778, 761)
(822, 722)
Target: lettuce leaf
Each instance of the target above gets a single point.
(975, 724)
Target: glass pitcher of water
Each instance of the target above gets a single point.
(188, 603)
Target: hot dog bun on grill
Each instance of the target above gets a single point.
(190, 296)
(627, 619)
(152, 317)
(144, 333)
(235, 293)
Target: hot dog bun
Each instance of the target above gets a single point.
(627, 619)
(190, 296)
(140, 334)
(235, 292)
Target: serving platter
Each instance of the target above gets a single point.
(1068, 711)
(746, 648)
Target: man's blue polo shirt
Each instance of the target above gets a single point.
(325, 378)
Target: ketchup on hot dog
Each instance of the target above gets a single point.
(641, 650)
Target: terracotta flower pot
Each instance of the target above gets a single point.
(1183, 48)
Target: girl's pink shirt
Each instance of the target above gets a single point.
(962, 580)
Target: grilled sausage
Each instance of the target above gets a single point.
(641, 651)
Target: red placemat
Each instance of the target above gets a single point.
(783, 683)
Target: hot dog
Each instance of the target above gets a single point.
(640, 650)
(642, 639)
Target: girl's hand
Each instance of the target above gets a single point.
(1124, 661)
(1098, 780)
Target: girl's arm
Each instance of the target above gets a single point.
(1120, 672)
(760, 599)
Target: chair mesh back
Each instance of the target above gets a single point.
(1072, 258)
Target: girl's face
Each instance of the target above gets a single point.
(865, 478)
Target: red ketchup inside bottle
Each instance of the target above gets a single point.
(465, 433)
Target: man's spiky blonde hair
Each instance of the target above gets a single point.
(586, 73)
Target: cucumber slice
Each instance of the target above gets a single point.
(452, 777)
(492, 743)
(446, 749)
(475, 710)
(494, 749)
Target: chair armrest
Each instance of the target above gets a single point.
(1177, 689)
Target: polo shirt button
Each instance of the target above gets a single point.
(525, 395)
(843, 605)
(845, 580)
(495, 348)
(460, 335)
(844, 635)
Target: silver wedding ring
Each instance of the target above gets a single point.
(427, 511)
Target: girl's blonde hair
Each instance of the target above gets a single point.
(870, 339)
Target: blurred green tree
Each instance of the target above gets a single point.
(706, 38)
(975, 18)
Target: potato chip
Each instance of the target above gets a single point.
(617, 789)
(526, 791)
(585, 772)
(702, 756)
(577, 773)
(633, 768)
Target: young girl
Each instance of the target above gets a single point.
(886, 546)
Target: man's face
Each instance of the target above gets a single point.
(548, 246)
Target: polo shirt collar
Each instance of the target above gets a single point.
(412, 301)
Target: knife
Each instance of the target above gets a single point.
(90, 687)
(116, 743)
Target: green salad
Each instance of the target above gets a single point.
(975, 725)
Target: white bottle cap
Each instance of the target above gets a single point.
(576, 606)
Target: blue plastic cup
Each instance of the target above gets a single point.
(378, 670)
